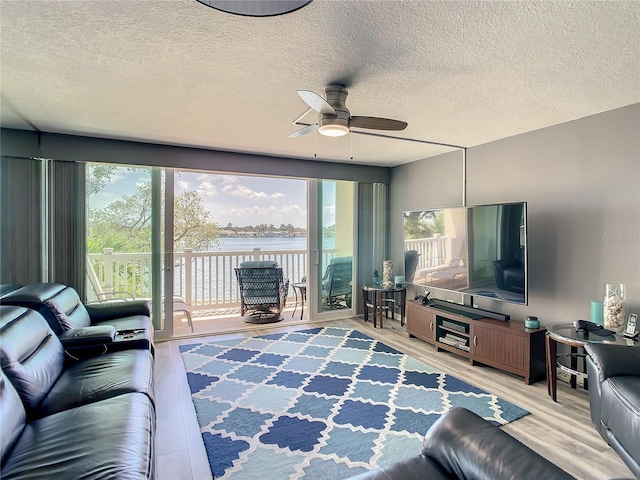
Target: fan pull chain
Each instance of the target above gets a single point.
(351, 141)
(315, 147)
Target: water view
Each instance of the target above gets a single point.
(238, 244)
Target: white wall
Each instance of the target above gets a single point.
(581, 180)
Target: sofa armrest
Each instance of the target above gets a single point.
(101, 312)
(93, 341)
(467, 446)
(99, 334)
(613, 360)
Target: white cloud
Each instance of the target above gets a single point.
(208, 189)
(329, 215)
(243, 191)
(229, 179)
(183, 184)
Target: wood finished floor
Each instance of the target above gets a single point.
(561, 432)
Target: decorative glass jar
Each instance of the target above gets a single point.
(614, 303)
(387, 274)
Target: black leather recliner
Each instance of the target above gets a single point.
(62, 418)
(614, 398)
(509, 274)
(62, 308)
(462, 445)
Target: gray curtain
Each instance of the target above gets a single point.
(67, 220)
(21, 231)
(372, 234)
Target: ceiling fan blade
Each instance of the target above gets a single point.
(316, 102)
(377, 123)
(303, 130)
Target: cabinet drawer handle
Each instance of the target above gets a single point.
(475, 340)
(431, 326)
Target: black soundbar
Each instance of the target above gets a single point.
(455, 307)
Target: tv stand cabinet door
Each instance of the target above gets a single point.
(421, 323)
(498, 349)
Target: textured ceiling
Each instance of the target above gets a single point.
(179, 72)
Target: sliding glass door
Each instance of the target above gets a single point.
(130, 219)
(129, 238)
(332, 248)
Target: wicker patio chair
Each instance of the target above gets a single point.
(336, 283)
(263, 291)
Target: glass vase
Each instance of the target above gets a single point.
(613, 309)
(387, 274)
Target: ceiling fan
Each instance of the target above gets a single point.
(335, 119)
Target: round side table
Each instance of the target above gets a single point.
(381, 300)
(566, 334)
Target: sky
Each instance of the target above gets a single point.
(243, 200)
(235, 199)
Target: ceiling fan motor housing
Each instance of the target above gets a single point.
(335, 125)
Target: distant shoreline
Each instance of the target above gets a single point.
(263, 235)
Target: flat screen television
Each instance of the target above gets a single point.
(479, 251)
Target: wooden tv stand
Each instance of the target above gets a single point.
(508, 346)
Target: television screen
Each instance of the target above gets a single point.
(477, 250)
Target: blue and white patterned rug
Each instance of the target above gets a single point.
(319, 403)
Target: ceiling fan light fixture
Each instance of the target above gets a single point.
(333, 130)
(256, 8)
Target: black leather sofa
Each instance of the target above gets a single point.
(462, 445)
(62, 418)
(62, 308)
(614, 398)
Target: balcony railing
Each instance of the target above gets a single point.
(205, 280)
(432, 251)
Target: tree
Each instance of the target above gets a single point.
(423, 224)
(97, 177)
(125, 224)
(193, 224)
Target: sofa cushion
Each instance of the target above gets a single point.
(620, 410)
(13, 417)
(95, 379)
(58, 304)
(30, 354)
(108, 439)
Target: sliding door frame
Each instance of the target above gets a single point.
(314, 279)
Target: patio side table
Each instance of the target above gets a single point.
(302, 288)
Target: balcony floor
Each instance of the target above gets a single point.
(227, 320)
